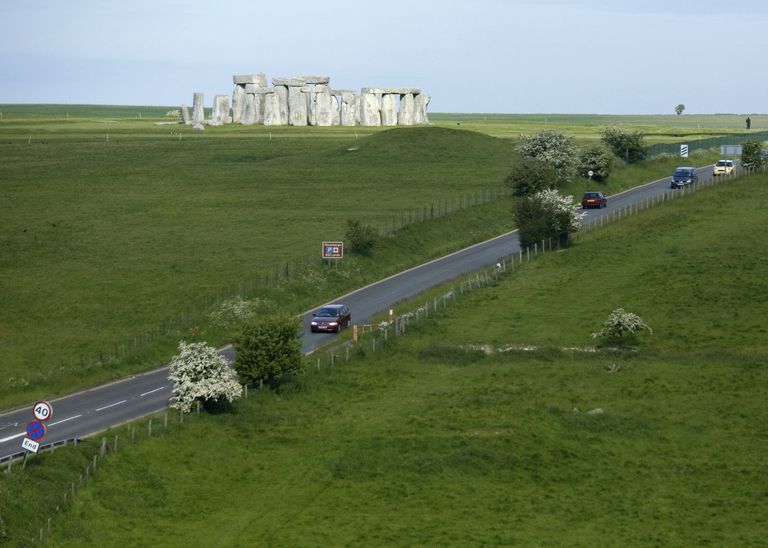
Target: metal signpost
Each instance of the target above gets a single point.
(42, 412)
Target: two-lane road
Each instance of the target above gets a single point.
(91, 411)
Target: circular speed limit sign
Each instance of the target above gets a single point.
(42, 411)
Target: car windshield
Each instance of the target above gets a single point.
(328, 312)
(592, 195)
(722, 163)
(683, 172)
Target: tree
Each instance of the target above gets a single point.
(752, 155)
(553, 148)
(529, 176)
(624, 144)
(597, 160)
(546, 215)
(361, 237)
(621, 323)
(268, 348)
(679, 109)
(200, 373)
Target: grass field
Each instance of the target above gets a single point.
(118, 234)
(432, 442)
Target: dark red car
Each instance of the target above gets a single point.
(331, 318)
(594, 199)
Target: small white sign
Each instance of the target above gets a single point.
(683, 151)
(42, 411)
(30, 445)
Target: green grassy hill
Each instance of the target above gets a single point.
(432, 441)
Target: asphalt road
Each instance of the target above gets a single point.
(85, 413)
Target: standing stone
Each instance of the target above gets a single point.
(272, 116)
(282, 98)
(238, 103)
(220, 113)
(248, 116)
(335, 110)
(389, 109)
(185, 118)
(370, 109)
(350, 108)
(198, 111)
(298, 111)
(323, 113)
(407, 113)
(420, 114)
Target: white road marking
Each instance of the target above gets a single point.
(111, 405)
(65, 420)
(151, 391)
(9, 438)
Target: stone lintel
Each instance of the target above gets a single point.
(290, 82)
(340, 91)
(319, 88)
(241, 79)
(395, 91)
(316, 79)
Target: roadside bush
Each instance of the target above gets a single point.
(621, 323)
(595, 159)
(751, 155)
(554, 148)
(361, 238)
(546, 215)
(200, 373)
(626, 145)
(268, 349)
(529, 176)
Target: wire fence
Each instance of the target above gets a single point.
(707, 143)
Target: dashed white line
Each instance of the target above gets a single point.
(111, 405)
(151, 391)
(9, 438)
(65, 420)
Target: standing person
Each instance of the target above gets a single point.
(749, 123)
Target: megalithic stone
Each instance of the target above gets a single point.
(185, 118)
(220, 113)
(322, 114)
(335, 110)
(350, 108)
(420, 114)
(370, 109)
(407, 113)
(298, 111)
(198, 111)
(282, 97)
(389, 109)
(238, 102)
(259, 79)
(248, 116)
(272, 116)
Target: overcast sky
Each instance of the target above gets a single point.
(505, 56)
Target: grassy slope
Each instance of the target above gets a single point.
(103, 241)
(429, 444)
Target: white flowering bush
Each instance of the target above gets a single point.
(173, 113)
(620, 323)
(547, 214)
(199, 373)
(553, 148)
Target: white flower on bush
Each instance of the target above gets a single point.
(554, 148)
(199, 373)
(567, 213)
(620, 323)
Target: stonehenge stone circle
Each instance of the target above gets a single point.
(309, 100)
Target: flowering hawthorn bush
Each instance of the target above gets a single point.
(200, 373)
(553, 148)
(620, 323)
(546, 215)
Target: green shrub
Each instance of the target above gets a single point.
(751, 155)
(360, 238)
(546, 215)
(555, 148)
(624, 144)
(597, 160)
(530, 176)
(268, 348)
